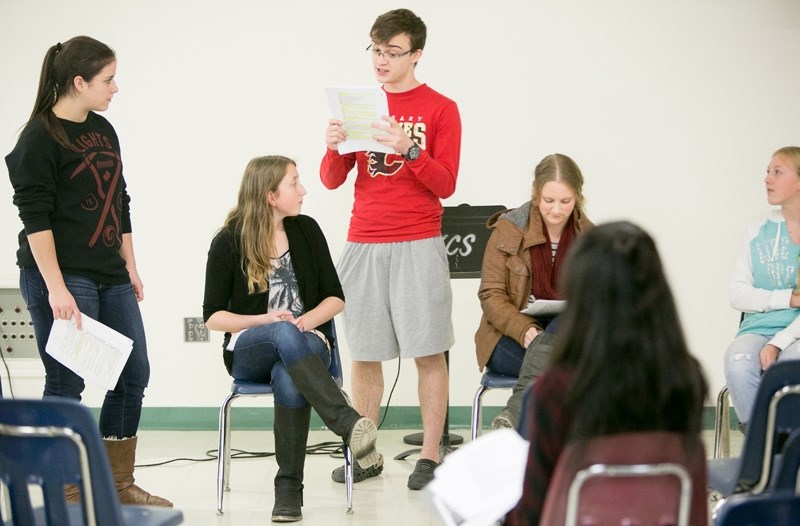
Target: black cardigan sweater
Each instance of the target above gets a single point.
(226, 282)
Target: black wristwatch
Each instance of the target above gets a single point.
(413, 153)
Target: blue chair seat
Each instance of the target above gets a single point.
(780, 508)
(245, 388)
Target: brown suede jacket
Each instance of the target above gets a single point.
(506, 276)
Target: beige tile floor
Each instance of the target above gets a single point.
(192, 485)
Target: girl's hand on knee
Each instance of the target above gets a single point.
(278, 315)
(530, 335)
(768, 355)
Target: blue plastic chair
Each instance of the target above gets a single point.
(776, 414)
(489, 380)
(53, 442)
(788, 464)
(779, 509)
(241, 388)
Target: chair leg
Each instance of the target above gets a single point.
(722, 425)
(224, 450)
(348, 465)
(348, 477)
(477, 410)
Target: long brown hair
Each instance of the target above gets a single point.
(252, 218)
(77, 57)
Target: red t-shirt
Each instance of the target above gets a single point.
(395, 199)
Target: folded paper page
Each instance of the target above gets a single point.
(482, 481)
(359, 108)
(96, 353)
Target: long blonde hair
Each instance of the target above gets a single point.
(252, 218)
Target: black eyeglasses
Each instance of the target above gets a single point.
(377, 53)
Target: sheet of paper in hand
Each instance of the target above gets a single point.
(544, 307)
(359, 108)
(96, 353)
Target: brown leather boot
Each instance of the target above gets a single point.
(122, 455)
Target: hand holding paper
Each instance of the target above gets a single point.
(96, 353)
(359, 108)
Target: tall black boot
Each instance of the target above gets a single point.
(291, 436)
(314, 381)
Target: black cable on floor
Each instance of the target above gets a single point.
(8, 374)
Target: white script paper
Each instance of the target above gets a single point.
(482, 481)
(544, 307)
(96, 353)
(359, 108)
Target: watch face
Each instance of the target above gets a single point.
(413, 153)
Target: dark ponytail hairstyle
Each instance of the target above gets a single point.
(77, 57)
(622, 337)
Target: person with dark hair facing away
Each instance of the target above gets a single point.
(271, 286)
(394, 266)
(765, 286)
(522, 262)
(76, 249)
(619, 365)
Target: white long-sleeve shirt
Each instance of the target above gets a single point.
(763, 280)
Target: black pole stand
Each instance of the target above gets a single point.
(448, 440)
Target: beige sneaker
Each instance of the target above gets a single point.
(504, 420)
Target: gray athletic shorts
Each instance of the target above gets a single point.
(398, 300)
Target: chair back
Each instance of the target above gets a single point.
(779, 508)
(335, 367)
(631, 478)
(776, 414)
(51, 443)
(786, 475)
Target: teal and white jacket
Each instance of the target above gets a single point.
(763, 280)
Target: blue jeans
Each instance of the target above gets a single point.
(111, 305)
(264, 354)
(743, 370)
(507, 356)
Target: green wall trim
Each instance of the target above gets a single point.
(402, 417)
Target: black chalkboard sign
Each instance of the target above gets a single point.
(465, 237)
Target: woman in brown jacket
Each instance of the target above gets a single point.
(521, 262)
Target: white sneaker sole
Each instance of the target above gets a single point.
(362, 443)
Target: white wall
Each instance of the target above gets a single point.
(672, 110)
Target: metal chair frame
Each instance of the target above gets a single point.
(240, 388)
(630, 470)
(489, 380)
(752, 471)
(722, 425)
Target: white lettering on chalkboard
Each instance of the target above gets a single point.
(459, 245)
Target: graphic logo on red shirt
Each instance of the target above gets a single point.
(380, 164)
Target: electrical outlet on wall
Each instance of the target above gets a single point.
(16, 329)
(194, 330)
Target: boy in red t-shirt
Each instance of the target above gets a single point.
(394, 268)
